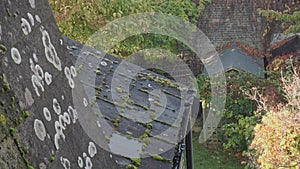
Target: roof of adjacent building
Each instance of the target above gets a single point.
(237, 56)
(47, 103)
(290, 44)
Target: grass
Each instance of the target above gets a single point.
(213, 158)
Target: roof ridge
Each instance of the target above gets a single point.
(246, 48)
(284, 41)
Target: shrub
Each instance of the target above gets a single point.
(276, 143)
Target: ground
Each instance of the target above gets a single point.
(213, 157)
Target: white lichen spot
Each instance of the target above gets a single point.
(28, 97)
(88, 163)
(80, 162)
(39, 129)
(71, 83)
(59, 128)
(150, 85)
(61, 41)
(32, 3)
(35, 57)
(98, 124)
(85, 102)
(38, 71)
(5, 61)
(48, 78)
(73, 114)
(37, 78)
(26, 28)
(92, 150)
(47, 114)
(84, 155)
(103, 63)
(62, 97)
(36, 82)
(73, 71)
(65, 163)
(67, 72)
(68, 75)
(56, 138)
(67, 118)
(22, 105)
(15, 55)
(50, 51)
(56, 106)
(31, 19)
(38, 19)
(42, 166)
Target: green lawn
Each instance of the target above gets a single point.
(213, 158)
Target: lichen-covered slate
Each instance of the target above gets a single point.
(33, 61)
(46, 107)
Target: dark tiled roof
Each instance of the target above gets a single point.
(247, 49)
(162, 132)
(237, 56)
(288, 45)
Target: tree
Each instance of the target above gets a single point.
(289, 16)
(284, 15)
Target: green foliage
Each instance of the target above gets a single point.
(136, 161)
(77, 19)
(277, 138)
(293, 19)
(239, 117)
(204, 87)
(80, 19)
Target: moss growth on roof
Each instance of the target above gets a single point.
(136, 161)
(160, 158)
(3, 119)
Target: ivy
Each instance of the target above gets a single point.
(81, 18)
(239, 117)
(292, 18)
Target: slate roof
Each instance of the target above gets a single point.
(247, 49)
(237, 56)
(166, 129)
(290, 44)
